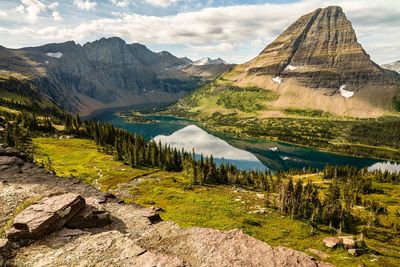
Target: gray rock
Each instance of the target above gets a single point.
(348, 241)
(45, 217)
(152, 215)
(89, 217)
(65, 232)
(331, 242)
(5, 247)
(10, 162)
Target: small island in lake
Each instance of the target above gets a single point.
(133, 116)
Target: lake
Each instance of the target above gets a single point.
(245, 154)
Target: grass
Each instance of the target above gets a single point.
(220, 207)
(80, 158)
(21, 206)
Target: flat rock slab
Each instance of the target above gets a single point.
(45, 217)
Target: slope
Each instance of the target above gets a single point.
(317, 64)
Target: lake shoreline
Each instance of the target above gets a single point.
(288, 155)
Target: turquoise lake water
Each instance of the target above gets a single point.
(244, 154)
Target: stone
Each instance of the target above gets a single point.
(157, 209)
(152, 215)
(10, 162)
(11, 152)
(65, 232)
(331, 242)
(89, 217)
(5, 247)
(45, 217)
(357, 251)
(348, 241)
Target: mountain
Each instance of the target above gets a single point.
(101, 74)
(316, 63)
(187, 60)
(395, 66)
(208, 61)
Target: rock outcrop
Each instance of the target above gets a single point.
(320, 50)
(45, 217)
(136, 237)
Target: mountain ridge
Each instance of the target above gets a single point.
(106, 73)
(316, 63)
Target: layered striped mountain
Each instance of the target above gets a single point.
(316, 63)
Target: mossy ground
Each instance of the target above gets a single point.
(220, 207)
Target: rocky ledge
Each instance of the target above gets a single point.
(53, 221)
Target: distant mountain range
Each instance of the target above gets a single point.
(395, 66)
(105, 73)
(316, 63)
(208, 61)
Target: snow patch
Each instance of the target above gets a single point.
(209, 61)
(345, 93)
(290, 68)
(277, 79)
(55, 55)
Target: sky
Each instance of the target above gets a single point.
(235, 30)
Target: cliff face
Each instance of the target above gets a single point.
(321, 50)
(108, 72)
(104, 73)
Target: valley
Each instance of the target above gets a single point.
(221, 207)
(294, 154)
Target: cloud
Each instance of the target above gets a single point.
(53, 5)
(222, 47)
(160, 3)
(32, 8)
(56, 16)
(120, 3)
(242, 30)
(85, 4)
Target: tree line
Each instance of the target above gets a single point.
(294, 198)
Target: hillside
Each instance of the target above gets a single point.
(135, 236)
(101, 74)
(315, 64)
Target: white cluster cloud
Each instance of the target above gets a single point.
(85, 4)
(30, 11)
(120, 3)
(157, 3)
(244, 28)
(32, 8)
(56, 16)
(161, 3)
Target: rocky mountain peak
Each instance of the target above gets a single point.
(320, 49)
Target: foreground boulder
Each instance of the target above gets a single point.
(45, 217)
